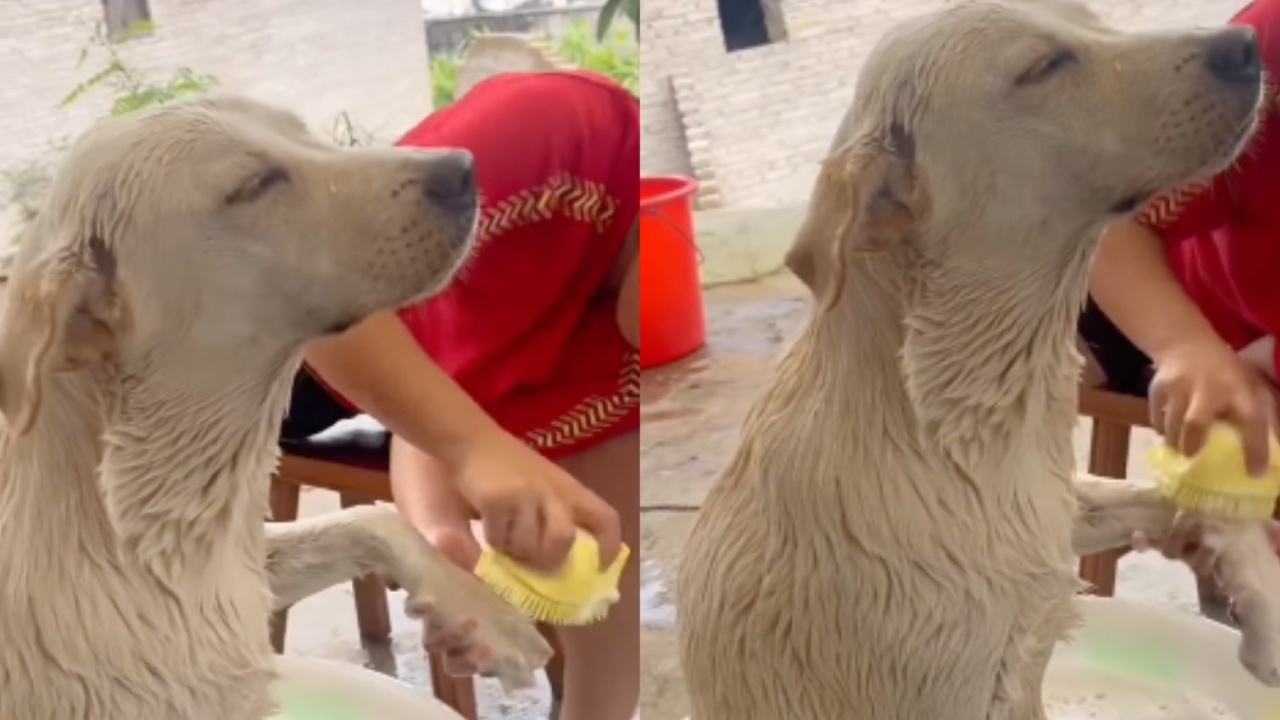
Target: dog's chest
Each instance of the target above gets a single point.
(953, 597)
(113, 644)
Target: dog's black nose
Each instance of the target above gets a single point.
(1233, 56)
(451, 181)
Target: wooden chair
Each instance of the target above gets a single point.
(1114, 416)
(354, 464)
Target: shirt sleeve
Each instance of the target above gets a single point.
(1193, 210)
(556, 159)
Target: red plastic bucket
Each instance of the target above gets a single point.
(672, 323)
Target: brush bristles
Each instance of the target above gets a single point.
(1210, 502)
(546, 610)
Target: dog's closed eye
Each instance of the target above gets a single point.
(258, 185)
(1046, 67)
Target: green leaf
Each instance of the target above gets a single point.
(444, 79)
(630, 9)
(93, 81)
(75, 94)
(607, 14)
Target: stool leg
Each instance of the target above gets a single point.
(555, 667)
(554, 670)
(372, 616)
(1108, 457)
(284, 508)
(459, 694)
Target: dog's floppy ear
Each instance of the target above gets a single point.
(62, 313)
(866, 199)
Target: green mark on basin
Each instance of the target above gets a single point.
(1149, 660)
(301, 706)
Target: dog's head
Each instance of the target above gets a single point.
(1029, 111)
(222, 224)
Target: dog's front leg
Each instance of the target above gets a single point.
(309, 555)
(1249, 572)
(1111, 511)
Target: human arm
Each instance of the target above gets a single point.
(1199, 378)
(629, 292)
(529, 506)
(425, 498)
(1134, 285)
(1261, 355)
(378, 366)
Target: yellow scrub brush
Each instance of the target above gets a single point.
(579, 593)
(1216, 481)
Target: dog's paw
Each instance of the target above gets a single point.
(475, 632)
(474, 629)
(1249, 572)
(1262, 660)
(477, 642)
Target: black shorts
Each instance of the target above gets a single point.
(1127, 368)
(312, 409)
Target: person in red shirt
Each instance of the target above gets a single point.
(520, 383)
(1185, 299)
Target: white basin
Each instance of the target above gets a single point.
(1134, 661)
(312, 689)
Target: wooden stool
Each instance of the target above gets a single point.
(355, 465)
(1114, 416)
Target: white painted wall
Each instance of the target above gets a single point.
(760, 119)
(367, 58)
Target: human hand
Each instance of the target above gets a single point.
(1199, 383)
(1260, 355)
(530, 508)
(1183, 542)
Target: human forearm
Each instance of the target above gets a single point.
(629, 288)
(629, 306)
(414, 476)
(379, 366)
(530, 507)
(1135, 287)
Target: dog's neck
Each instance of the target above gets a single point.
(169, 470)
(186, 458)
(971, 353)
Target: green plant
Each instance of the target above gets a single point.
(444, 78)
(609, 13)
(133, 91)
(616, 56)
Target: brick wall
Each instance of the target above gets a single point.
(753, 124)
(367, 58)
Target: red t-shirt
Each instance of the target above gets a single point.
(529, 329)
(1223, 236)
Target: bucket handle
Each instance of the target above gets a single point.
(654, 212)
